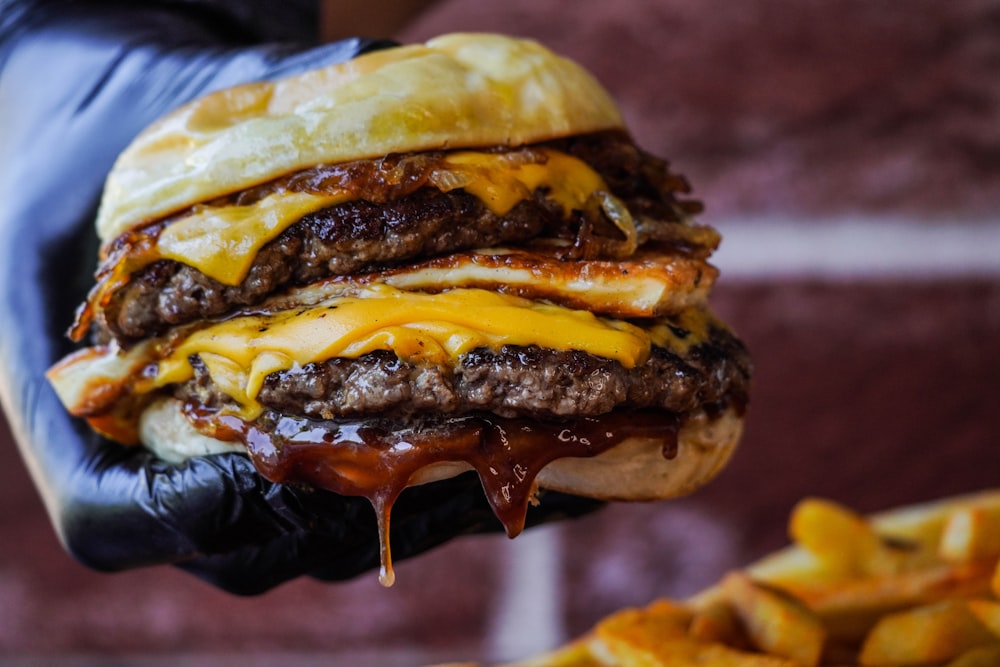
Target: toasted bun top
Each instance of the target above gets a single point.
(455, 91)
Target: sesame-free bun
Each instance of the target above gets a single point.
(637, 470)
(633, 470)
(456, 91)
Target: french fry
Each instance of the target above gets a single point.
(914, 586)
(834, 535)
(775, 622)
(924, 522)
(983, 656)
(928, 634)
(971, 533)
(845, 544)
(988, 613)
(791, 567)
(717, 622)
(657, 636)
(689, 653)
(663, 617)
(849, 609)
(919, 526)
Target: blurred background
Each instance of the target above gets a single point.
(849, 151)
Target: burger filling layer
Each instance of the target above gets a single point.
(575, 198)
(525, 381)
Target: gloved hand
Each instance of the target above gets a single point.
(77, 81)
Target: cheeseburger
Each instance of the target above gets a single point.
(427, 260)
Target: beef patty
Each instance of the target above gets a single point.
(512, 381)
(392, 223)
(334, 241)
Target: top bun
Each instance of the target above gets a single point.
(455, 91)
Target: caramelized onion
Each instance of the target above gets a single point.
(618, 213)
(590, 245)
(446, 181)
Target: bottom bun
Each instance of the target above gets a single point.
(633, 470)
(165, 430)
(637, 470)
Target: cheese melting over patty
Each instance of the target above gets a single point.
(240, 351)
(222, 241)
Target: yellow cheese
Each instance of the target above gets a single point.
(241, 351)
(432, 328)
(222, 241)
(500, 182)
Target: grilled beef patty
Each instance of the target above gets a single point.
(338, 240)
(407, 221)
(512, 381)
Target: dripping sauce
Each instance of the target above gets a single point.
(376, 459)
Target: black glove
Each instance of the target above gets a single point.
(77, 83)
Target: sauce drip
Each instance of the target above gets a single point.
(375, 459)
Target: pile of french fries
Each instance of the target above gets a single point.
(915, 586)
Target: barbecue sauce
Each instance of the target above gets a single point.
(373, 460)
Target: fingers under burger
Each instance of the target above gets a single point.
(430, 259)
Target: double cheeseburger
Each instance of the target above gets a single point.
(429, 259)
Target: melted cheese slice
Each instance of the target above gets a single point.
(241, 351)
(423, 328)
(222, 241)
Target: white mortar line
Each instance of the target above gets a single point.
(527, 618)
(857, 248)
